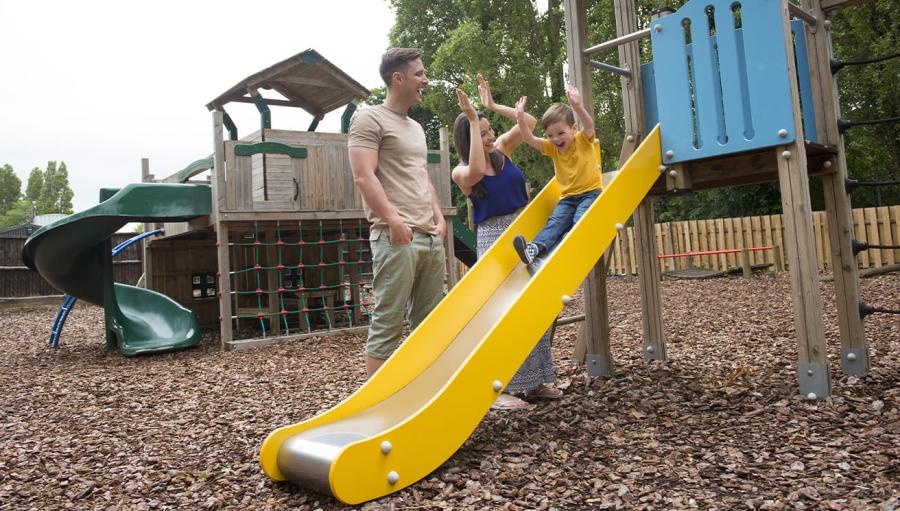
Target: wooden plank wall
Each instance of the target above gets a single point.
(174, 263)
(321, 182)
(877, 226)
(17, 281)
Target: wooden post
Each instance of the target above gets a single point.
(654, 341)
(745, 263)
(146, 177)
(452, 274)
(779, 261)
(218, 198)
(626, 254)
(854, 346)
(812, 369)
(596, 309)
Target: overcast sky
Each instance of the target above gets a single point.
(102, 84)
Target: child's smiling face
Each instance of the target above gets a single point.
(561, 134)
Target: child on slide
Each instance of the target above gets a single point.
(575, 163)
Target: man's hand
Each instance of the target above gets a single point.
(574, 95)
(442, 228)
(400, 233)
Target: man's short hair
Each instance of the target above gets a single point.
(558, 112)
(396, 59)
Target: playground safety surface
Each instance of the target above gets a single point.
(720, 426)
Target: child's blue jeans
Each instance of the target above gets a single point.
(567, 212)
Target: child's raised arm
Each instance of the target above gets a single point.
(587, 120)
(510, 140)
(522, 120)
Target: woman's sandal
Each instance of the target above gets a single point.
(544, 392)
(509, 403)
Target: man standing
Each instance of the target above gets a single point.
(388, 157)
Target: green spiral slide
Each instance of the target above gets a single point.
(73, 255)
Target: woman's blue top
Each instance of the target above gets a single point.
(505, 193)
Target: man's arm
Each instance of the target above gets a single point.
(436, 211)
(363, 162)
(587, 120)
(522, 120)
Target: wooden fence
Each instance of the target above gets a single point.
(876, 226)
(17, 281)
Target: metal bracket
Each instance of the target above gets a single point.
(815, 380)
(652, 352)
(855, 361)
(599, 365)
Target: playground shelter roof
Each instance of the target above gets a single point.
(307, 80)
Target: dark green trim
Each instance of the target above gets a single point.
(106, 193)
(193, 169)
(269, 148)
(310, 57)
(230, 126)
(346, 116)
(265, 115)
(434, 158)
(462, 232)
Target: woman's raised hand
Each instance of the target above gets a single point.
(484, 92)
(520, 107)
(466, 105)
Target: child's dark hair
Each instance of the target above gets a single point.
(558, 112)
(462, 141)
(396, 59)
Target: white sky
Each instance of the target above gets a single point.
(101, 84)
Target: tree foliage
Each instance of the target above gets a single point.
(522, 52)
(10, 188)
(56, 195)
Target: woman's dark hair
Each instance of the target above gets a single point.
(462, 141)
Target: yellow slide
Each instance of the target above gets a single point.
(426, 400)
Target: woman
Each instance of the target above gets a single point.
(496, 188)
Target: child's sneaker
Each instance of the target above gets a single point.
(528, 252)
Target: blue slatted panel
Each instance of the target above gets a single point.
(738, 97)
(648, 88)
(798, 27)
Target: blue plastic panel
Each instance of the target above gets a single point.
(798, 27)
(648, 88)
(721, 89)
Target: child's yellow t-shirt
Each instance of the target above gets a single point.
(578, 168)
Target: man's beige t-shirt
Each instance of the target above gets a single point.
(402, 165)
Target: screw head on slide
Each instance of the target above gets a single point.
(497, 385)
(566, 299)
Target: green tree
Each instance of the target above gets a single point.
(20, 213)
(35, 184)
(10, 188)
(522, 52)
(56, 195)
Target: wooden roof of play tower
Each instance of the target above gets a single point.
(307, 80)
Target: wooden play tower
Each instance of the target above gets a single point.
(743, 93)
(285, 252)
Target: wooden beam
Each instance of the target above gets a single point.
(596, 309)
(218, 197)
(813, 371)
(854, 346)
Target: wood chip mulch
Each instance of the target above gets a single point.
(721, 426)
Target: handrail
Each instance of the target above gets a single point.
(619, 41)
